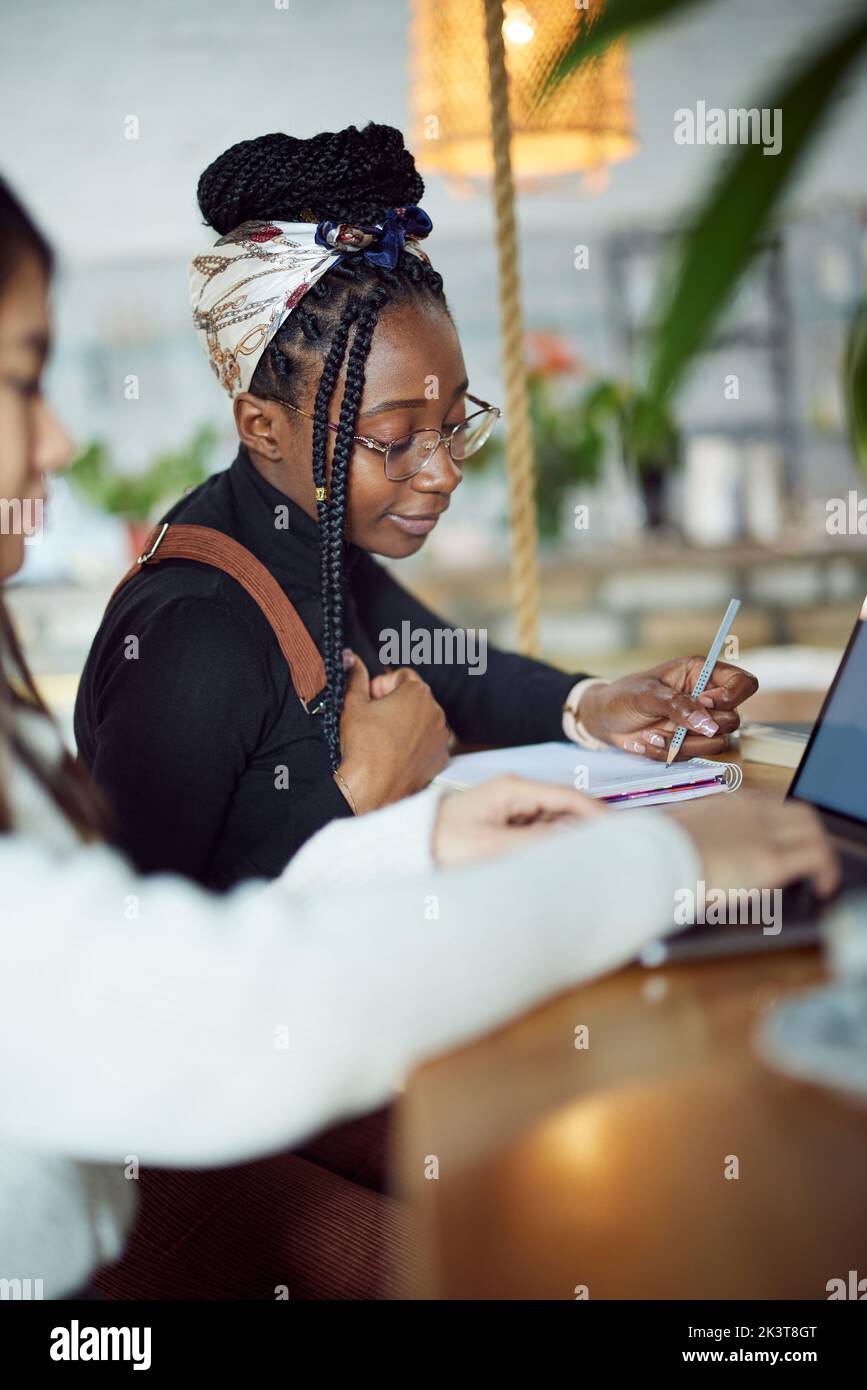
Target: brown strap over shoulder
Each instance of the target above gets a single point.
(211, 547)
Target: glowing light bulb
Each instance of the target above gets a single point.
(518, 25)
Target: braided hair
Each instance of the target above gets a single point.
(344, 176)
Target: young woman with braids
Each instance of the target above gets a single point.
(154, 1036)
(325, 321)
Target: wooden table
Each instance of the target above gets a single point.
(606, 1167)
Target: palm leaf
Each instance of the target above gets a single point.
(620, 17)
(726, 233)
(855, 383)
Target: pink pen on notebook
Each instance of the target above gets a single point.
(623, 780)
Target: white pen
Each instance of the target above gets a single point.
(707, 668)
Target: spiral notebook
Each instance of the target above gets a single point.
(617, 778)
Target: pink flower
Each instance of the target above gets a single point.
(547, 354)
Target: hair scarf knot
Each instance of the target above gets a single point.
(244, 287)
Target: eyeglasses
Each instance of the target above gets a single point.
(411, 453)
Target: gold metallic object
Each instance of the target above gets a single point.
(587, 124)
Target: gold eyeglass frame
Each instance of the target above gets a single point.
(445, 437)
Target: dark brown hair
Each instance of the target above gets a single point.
(65, 783)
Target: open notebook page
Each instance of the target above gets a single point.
(619, 778)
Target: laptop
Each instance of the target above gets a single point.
(831, 777)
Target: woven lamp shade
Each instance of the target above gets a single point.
(587, 124)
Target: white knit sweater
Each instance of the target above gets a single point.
(143, 1020)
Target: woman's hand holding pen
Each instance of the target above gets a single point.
(393, 734)
(640, 713)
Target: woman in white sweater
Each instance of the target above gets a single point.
(142, 1018)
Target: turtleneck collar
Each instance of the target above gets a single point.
(290, 550)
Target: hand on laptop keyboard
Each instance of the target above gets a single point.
(753, 840)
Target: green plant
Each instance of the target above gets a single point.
(645, 428)
(142, 496)
(855, 383)
(571, 436)
(728, 229)
(566, 451)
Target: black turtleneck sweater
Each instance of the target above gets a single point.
(211, 765)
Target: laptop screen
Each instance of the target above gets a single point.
(833, 771)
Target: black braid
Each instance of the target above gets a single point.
(352, 176)
(335, 176)
(327, 382)
(343, 447)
